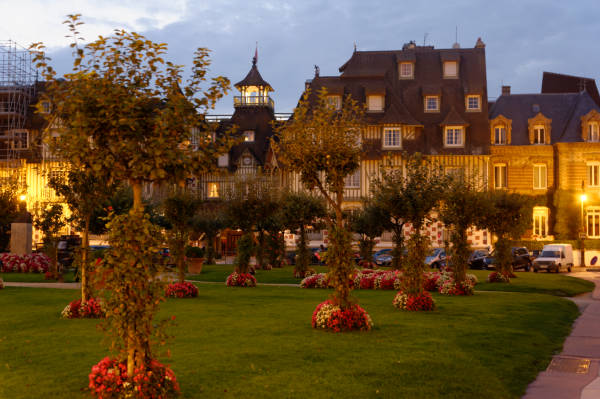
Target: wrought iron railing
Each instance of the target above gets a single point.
(253, 101)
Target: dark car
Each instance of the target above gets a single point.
(520, 259)
(67, 245)
(436, 258)
(477, 259)
(383, 257)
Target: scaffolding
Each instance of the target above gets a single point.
(17, 92)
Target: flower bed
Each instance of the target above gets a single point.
(378, 279)
(108, 380)
(420, 302)
(236, 279)
(28, 263)
(331, 317)
(495, 277)
(303, 274)
(182, 290)
(319, 280)
(431, 281)
(91, 309)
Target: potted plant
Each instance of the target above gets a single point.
(195, 258)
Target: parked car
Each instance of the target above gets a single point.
(436, 258)
(554, 257)
(520, 259)
(67, 244)
(477, 259)
(383, 257)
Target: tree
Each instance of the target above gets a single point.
(9, 208)
(179, 210)
(209, 220)
(300, 210)
(461, 208)
(367, 223)
(323, 145)
(84, 194)
(418, 190)
(507, 215)
(126, 114)
(51, 221)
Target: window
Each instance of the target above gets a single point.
(392, 137)
(213, 190)
(223, 161)
(20, 139)
(473, 103)
(453, 136)
(335, 102)
(500, 179)
(432, 104)
(406, 70)
(539, 134)
(450, 69)
(353, 180)
(249, 136)
(593, 221)
(593, 172)
(540, 181)
(593, 133)
(540, 221)
(45, 107)
(499, 135)
(375, 103)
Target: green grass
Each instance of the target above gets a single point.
(219, 273)
(34, 277)
(542, 283)
(238, 343)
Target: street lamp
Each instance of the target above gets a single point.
(582, 235)
(22, 197)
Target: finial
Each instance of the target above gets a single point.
(255, 59)
(355, 47)
(317, 71)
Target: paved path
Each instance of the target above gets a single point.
(575, 372)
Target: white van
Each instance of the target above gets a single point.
(554, 257)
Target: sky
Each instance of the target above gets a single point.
(523, 38)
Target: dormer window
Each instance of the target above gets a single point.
(432, 104)
(539, 129)
(593, 132)
(450, 69)
(539, 136)
(335, 102)
(406, 70)
(473, 103)
(249, 136)
(454, 136)
(375, 103)
(392, 137)
(499, 135)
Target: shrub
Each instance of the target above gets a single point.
(194, 252)
(91, 309)
(318, 280)
(28, 263)
(331, 317)
(377, 279)
(422, 301)
(431, 281)
(236, 279)
(496, 277)
(108, 380)
(182, 290)
(447, 285)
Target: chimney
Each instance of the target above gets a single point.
(506, 90)
(307, 84)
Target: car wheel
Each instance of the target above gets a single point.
(535, 270)
(569, 269)
(528, 267)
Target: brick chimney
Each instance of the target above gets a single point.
(506, 90)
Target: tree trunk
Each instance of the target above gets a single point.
(397, 253)
(210, 251)
(460, 254)
(338, 257)
(260, 250)
(136, 186)
(84, 260)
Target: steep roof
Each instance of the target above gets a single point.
(253, 78)
(565, 110)
(561, 83)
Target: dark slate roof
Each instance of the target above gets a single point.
(253, 79)
(397, 113)
(565, 110)
(453, 118)
(368, 64)
(561, 83)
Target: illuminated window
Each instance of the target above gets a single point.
(593, 174)
(540, 221)
(335, 102)
(450, 69)
(540, 181)
(353, 180)
(453, 136)
(593, 221)
(500, 178)
(392, 137)
(406, 70)
(499, 135)
(213, 190)
(539, 136)
(249, 135)
(593, 132)
(432, 104)
(375, 103)
(473, 103)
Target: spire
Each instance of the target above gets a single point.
(255, 59)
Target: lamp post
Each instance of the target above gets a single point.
(582, 235)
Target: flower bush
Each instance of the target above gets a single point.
(182, 290)
(387, 280)
(304, 273)
(496, 277)
(318, 280)
(447, 285)
(91, 309)
(377, 279)
(331, 317)
(420, 302)
(28, 263)
(431, 280)
(108, 380)
(236, 279)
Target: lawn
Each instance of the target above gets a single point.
(34, 277)
(235, 342)
(284, 275)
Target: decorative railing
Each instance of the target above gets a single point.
(253, 101)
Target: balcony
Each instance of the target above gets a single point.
(253, 101)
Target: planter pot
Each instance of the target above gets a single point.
(195, 265)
